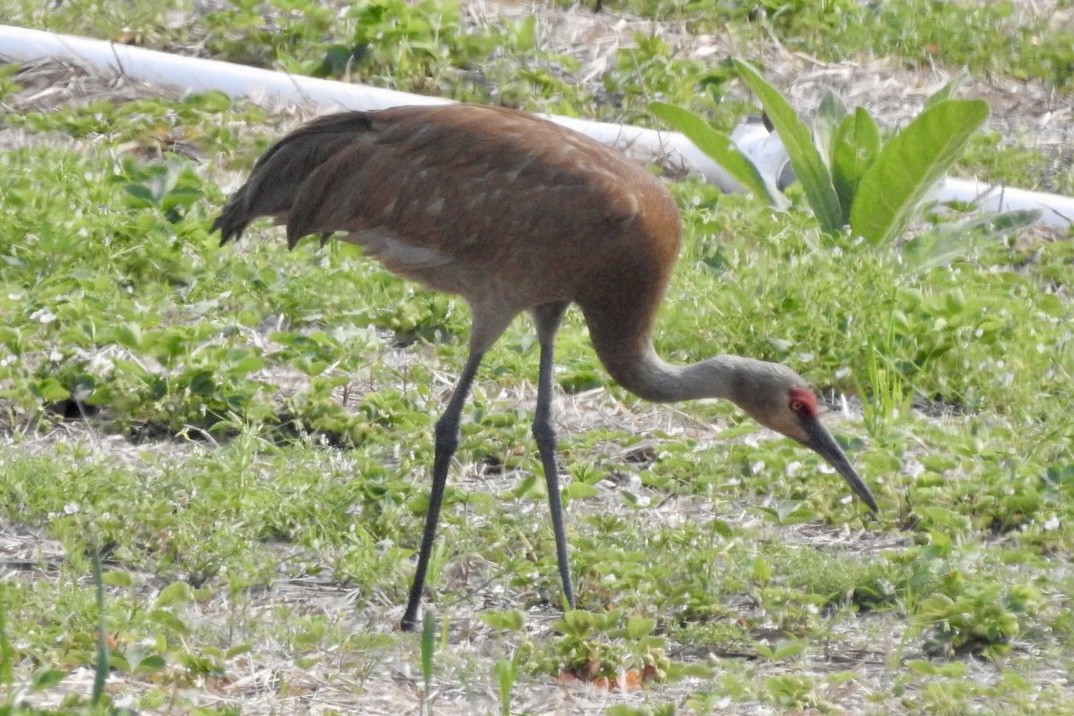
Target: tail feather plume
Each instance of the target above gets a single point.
(278, 175)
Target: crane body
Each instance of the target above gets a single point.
(515, 214)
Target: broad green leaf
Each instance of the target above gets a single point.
(721, 528)
(150, 664)
(118, 662)
(245, 362)
(909, 165)
(947, 91)
(789, 649)
(721, 149)
(174, 593)
(202, 383)
(237, 650)
(428, 646)
(578, 491)
(854, 149)
(762, 571)
(808, 165)
(526, 34)
(830, 114)
(506, 671)
(128, 335)
(46, 678)
(50, 390)
(637, 627)
(945, 244)
(183, 196)
(508, 620)
(169, 621)
(141, 195)
(118, 579)
(575, 622)
(524, 486)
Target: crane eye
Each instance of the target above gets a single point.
(797, 405)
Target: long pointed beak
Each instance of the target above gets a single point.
(821, 442)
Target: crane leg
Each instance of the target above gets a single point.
(447, 441)
(547, 318)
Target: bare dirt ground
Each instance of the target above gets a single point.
(267, 681)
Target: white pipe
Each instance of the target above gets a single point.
(765, 151)
(274, 88)
(195, 74)
(1055, 210)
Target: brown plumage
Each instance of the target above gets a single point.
(513, 213)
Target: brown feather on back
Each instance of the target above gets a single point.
(506, 209)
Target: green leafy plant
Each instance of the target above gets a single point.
(667, 709)
(506, 672)
(721, 148)
(650, 67)
(239, 33)
(793, 691)
(975, 616)
(7, 659)
(428, 651)
(600, 648)
(100, 668)
(850, 177)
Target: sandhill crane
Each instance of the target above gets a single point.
(513, 213)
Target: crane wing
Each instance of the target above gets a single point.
(464, 184)
(493, 204)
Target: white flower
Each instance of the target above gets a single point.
(43, 315)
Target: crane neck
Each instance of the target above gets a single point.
(649, 376)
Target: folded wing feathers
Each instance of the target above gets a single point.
(277, 178)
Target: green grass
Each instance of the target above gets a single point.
(1004, 37)
(245, 433)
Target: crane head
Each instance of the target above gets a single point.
(783, 402)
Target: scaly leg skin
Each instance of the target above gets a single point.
(447, 441)
(547, 318)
